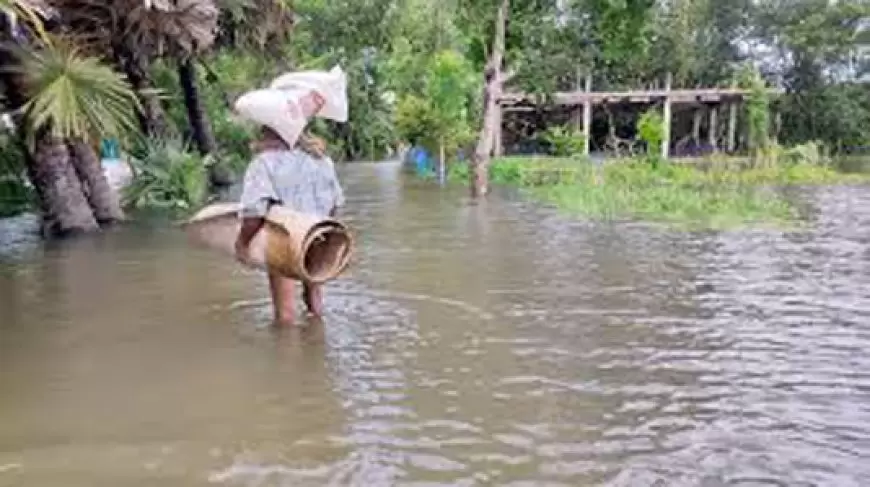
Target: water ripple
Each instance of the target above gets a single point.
(495, 343)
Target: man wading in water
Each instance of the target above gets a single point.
(302, 178)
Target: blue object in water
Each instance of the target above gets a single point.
(421, 160)
(109, 149)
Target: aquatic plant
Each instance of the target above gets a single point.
(716, 194)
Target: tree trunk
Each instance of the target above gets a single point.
(103, 200)
(152, 118)
(199, 125)
(67, 210)
(492, 93)
(62, 203)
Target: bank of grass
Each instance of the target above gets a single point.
(707, 194)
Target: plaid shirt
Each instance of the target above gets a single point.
(292, 178)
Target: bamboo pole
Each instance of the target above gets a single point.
(498, 132)
(666, 118)
(713, 129)
(732, 124)
(587, 117)
(577, 112)
(697, 119)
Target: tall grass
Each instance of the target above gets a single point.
(716, 194)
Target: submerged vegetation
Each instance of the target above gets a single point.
(703, 194)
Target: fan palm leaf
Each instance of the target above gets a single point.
(32, 10)
(258, 22)
(73, 95)
(149, 27)
(178, 27)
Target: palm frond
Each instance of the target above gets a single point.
(178, 27)
(34, 11)
(147, 27)
(74, 95)
(258, 23)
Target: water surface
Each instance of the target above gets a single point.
(490, 344)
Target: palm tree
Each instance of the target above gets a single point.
(181, 29)
(136, 32)
(64, 99)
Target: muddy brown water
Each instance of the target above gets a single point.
(492, 344)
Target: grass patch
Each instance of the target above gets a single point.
(715, 194)
(686, 207)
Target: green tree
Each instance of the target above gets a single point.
(65, 98)
(439, 115)
(356, 35)
(822, 46)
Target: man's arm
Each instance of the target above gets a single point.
(257, 191)
(250, 227)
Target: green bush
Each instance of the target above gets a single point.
(16, 193)
(414, 119)
(565, 141)
(651, 129)
(438, 116)
(167, 175)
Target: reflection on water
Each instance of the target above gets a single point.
(472, 344)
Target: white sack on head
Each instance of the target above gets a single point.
(277, 109)
(331, 85)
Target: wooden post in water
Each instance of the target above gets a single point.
(442, 163)
(777, 125)
(577, 111)
(497, 144)
(697, 119)
(587, 116)
(732, 123)
(712, 129)
(666, 118)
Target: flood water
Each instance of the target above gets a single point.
(490, 344)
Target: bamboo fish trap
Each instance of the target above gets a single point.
(290, 243)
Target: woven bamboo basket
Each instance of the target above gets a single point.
(292, 244)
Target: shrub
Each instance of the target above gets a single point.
(565, 141)
(16, 192)
(167, 175)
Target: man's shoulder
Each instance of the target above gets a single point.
(270, 157)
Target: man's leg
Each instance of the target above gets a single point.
(282, 290)
(312, 294)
